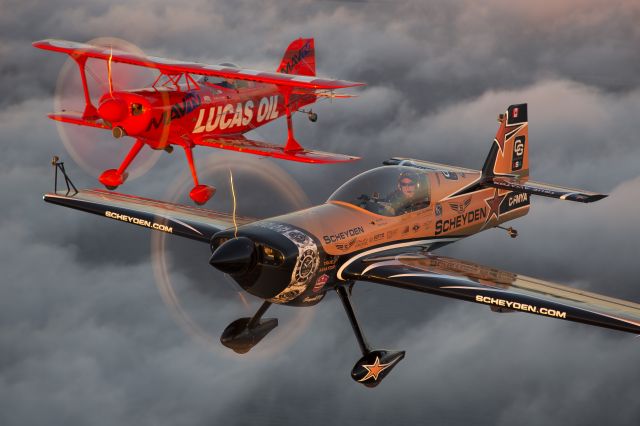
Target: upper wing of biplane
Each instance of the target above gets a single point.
(171, 66)
(502, 291)
(185, 221)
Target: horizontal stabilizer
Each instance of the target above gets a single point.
(544, 189)
(185, 221)
(242, 144)
(74, 117)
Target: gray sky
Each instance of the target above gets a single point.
(85, 337)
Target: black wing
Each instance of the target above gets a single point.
(185, 221)
(502, 291)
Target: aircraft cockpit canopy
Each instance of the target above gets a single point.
(387, 191)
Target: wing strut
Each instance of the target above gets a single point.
(292, 144)
(90, 111)
(374, 364)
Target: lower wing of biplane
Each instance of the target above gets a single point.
(501, 291)
(134, 113)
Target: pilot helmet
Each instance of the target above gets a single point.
(413, 176)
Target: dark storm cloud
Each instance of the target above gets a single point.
(86, 338)
(435, 53)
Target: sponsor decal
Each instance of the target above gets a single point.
(137, 221)
(517, 306)
(320, 282)
(449, 175)
(518, 152)
(278, 227)
(514, 200)
(460, 220)
(374, 370)
(298, 237)
(332, 238)
(240, 114)
(438, 209)
(460, 206)
(311, 299)
(378, 237)
(494, 205)
(330, 260)
(189, 103)
(297, 57)
(307, 263)
(346, 246)
(327, 268)
(362, 243)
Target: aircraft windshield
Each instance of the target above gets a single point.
(388, 191)
(217, 81)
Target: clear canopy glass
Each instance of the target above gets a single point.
(387, 191)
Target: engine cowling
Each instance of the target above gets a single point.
(275, 262)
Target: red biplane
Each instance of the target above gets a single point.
(192, 104)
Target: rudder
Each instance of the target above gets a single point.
(509, 153)
(299, 58)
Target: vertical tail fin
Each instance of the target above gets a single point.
(299, 58)
(509, 153)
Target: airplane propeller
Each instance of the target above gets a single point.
(235, 256)
(252, 176)
(108, 88)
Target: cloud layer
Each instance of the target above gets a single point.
(86, 338)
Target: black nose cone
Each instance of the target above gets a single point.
(236, 256)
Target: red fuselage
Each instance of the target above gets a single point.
(169, 116)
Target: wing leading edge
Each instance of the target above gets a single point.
(175, 66)
(240, 143)
(184, 221)
(502, 291)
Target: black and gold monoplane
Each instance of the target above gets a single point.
(382, 226)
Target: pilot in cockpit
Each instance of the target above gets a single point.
(407, 196)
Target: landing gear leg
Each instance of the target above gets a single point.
(244, 333)
(374, 364)
(113, 178)
(200, 194)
